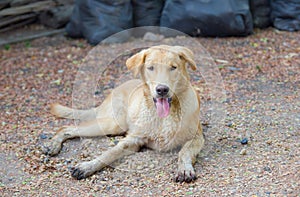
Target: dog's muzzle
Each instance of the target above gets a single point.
(162, 102)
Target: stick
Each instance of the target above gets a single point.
(14, 19)
(33, 7)
(30, 37)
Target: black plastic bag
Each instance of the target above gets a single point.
(261, 13)
(208, 17)
(74, 27)
(286, 14)
(96, 20)
(147, 12)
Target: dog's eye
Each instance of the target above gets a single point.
(150, 68)
(173, 67)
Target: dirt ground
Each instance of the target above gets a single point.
(261, 76)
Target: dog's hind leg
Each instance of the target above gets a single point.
(98, 127)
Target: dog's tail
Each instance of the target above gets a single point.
(69, 113)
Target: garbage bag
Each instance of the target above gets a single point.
(261, 13)
(208, 17)
(74, 26)
(147, 12)
(285, 14)
(96, 20)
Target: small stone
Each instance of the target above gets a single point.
(252, 110)
(230, 124)
(43, 136)
(113, 142)
(149, 36)
(244, 141)
(273, 108)
(67, 161)
(269, 142)
(243, 151)
(139, 167)
(46, 160)
(151, 166)
(85, 154)
(267, 169)
(97, 92)
(231, 68)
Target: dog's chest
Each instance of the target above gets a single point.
(160, 133)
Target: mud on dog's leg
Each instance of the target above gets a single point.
(125, 147)
(186, 159)
(99, 127)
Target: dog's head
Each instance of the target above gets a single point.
(164, 69)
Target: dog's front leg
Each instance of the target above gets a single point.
(186, 159)
(127, 146)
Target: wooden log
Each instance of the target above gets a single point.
(4, 3)
(15, 3)
(65, 2)
(33, 7)
(15, 19)
(32, 36)
(56, 17)
(20, 24)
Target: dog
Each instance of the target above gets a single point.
(159, 111)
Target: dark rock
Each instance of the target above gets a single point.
(43, 136)
(230, 124)
(244, 141)
(267, 169)
(252, 110)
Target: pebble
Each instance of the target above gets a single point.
(97, 92)
(139, 167)
(46, 160)
(149, 36)
(243, 151)
(43, 136)
(244, 141)
(267, 169)
(231, 68)
(151, 166)
(269, 142)
(85, 154)
(230, 124)
(273, 108)
(111, 143)
(252, 110)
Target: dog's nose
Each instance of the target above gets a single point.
(162, 90)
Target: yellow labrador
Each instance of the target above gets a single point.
(160, 111)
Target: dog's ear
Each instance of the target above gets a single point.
(135, 62)
(187, 55)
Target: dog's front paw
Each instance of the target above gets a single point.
(185, 174)
(82, 170)
(51, 148)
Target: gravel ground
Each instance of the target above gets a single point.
(255, 152)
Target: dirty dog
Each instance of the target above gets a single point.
(160, 111)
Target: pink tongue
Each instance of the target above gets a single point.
(162, 107)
